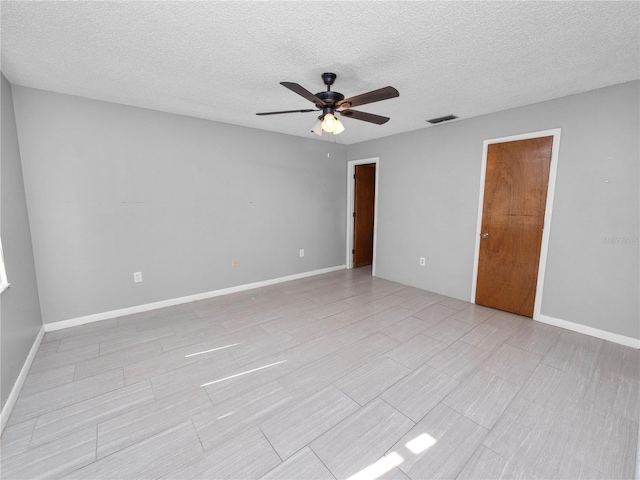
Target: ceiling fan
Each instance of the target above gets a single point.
(330, 103)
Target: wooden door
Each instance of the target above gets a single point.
(363, 214)
(515, 194)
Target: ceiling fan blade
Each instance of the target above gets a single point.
(288, 111)
(366, 117)
(300, 90)
(370, 97)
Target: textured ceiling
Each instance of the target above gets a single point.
(223, 61)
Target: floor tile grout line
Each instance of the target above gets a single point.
(274, 448)
(33, 429)
(96, 450)
(197, 434)
(360, 407)
(73, 403)
(516, 396)
(401, 413)
(73, 432)
(142, 440)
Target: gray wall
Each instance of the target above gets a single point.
(113, 189)
(20, 319)
(429, 189)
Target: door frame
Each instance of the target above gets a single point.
(546, 232)
(351, 169)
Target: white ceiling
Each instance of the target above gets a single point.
(223, 61)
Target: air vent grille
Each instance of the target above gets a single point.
(446, 118)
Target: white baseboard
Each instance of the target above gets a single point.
(15, 391)
(594, 332)
(96, 317)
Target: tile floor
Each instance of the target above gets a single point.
(339, 375)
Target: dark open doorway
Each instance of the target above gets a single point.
(363, 214)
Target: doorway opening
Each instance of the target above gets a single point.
(514, 221)
(362, 206)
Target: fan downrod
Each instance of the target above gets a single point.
(329, 97)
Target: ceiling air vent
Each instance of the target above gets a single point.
(446, 118)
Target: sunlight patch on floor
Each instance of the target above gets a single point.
(421, 443)
(384, 465)
(379, 468)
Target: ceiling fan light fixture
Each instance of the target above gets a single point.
(329, 123)
(317, 127)
(328, 102)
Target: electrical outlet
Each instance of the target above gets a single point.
(423, 261)
(234, 262)
(137, 277)
(302, 252)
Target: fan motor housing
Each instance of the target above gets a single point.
(330, 98)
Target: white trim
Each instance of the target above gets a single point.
(476, 255)
(351, 164)
(15, 391)
(96, 317)
(594, 332)
(542, 264)
(3, 271)
(546, 232)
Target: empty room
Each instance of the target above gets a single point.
(320, 240)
